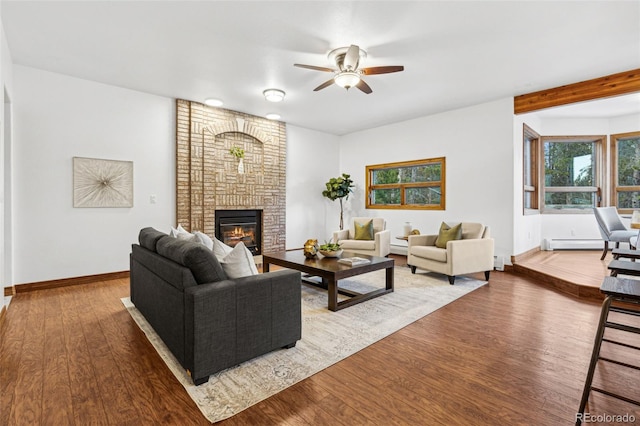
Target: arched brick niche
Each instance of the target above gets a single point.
(206, 176)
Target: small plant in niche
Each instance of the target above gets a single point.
(237, 152)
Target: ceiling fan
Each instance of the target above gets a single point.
(348, 74)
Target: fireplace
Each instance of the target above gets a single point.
(233, 226)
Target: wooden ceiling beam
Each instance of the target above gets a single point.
(603, 87)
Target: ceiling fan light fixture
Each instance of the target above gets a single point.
(273, 95)
(347, 79)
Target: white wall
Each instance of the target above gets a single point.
(478, 145)
(57, 117)
(6, 89)
(312, 159)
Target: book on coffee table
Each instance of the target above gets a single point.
(352, 261)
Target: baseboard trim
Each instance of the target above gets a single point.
(9, 291)
(526, 254)
(64, 282)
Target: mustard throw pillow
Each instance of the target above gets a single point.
(448, 233)
(364, 231)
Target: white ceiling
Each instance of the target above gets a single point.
(455, 53)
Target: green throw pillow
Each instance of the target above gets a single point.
(448, 233)
(364, 231)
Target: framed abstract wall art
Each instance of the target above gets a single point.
(102, 183)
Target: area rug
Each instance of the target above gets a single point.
(327, 337)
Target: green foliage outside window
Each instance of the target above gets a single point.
(569, 164)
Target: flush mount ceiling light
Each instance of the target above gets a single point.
(347, 79)
(213, 102)
(273, 116)
(273, 95)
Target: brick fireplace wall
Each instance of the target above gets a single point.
(207, 177)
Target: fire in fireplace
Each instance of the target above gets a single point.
(233, 226)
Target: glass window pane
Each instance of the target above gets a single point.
(569, 200)
(382, 176)
(569, 163)
(527, 199)
(629, 200)
(422, 173)
(528, 180)
(628, 162)
(427, 195)
(385, 196)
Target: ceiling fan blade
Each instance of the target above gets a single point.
(351, 58)
(382, 70)
(323, 85)
(364, 87)
(313, 67)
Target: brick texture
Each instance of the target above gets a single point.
(206, 173)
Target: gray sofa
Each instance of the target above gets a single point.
(210, 322)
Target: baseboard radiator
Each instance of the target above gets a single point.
(573, 244)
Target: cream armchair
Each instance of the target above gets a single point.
(379, 246)
(473, 253)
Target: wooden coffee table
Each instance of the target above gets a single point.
(330, 271)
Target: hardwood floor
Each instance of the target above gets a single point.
(512, 352)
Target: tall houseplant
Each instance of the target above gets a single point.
(337, 189)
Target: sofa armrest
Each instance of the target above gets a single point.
(471, 255)
(422, 240)
(230, 321)
(383, 242)
(340, 235)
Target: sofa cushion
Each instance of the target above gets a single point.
(448, 233)
(357, 245)
(148, 237)
(430, 252)
(363, 230)
(200, 260)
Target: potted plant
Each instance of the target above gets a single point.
(238, 152)
(337, 189)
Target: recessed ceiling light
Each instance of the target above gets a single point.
(213, 102)
(273, 95)
(273, 116)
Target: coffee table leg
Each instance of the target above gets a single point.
(389, 280)
(332, 294)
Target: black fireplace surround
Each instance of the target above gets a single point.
(233, 226)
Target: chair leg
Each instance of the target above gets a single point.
(413, 269)
(606, 248)
(486, 275)
(452, 278)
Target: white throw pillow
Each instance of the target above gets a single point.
(220, 249)
(182, 234)
(239, 262)
(204, 239)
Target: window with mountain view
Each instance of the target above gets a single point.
(572, 173)
(625, 163)
(418, 184)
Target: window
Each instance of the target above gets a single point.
(416, 184)
(530, 146)
(572, 169)
(625, 171)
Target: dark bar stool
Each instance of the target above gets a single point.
(619, 290)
